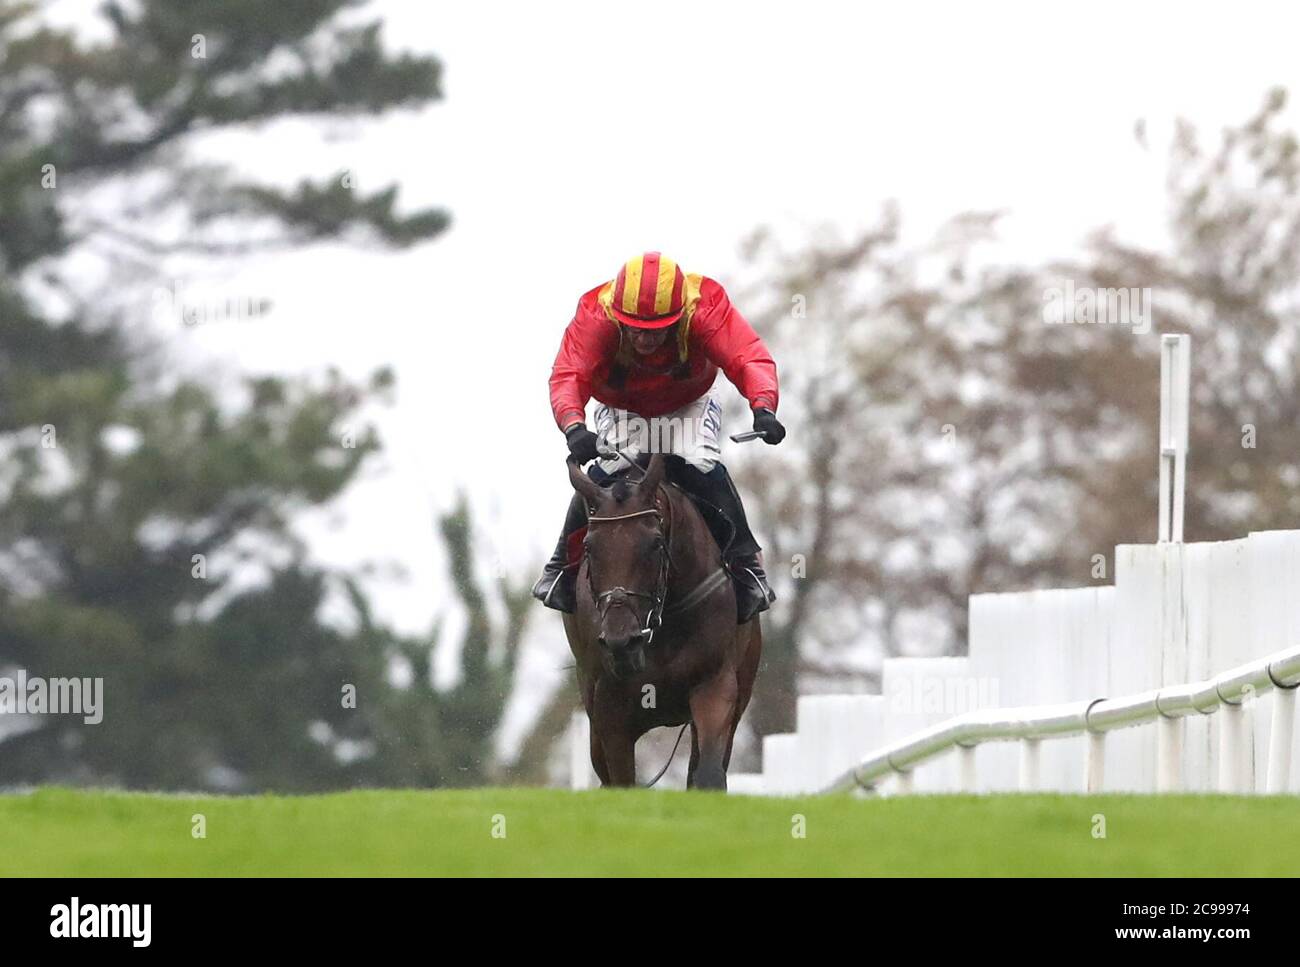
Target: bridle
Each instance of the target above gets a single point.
(607, 599)
(656, 611)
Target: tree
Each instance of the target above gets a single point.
(145, 525)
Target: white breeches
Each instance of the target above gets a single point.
(691, 432)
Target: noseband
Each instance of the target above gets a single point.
(605, 599)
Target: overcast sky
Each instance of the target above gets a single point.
(575, 135)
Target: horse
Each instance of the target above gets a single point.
(654, 635)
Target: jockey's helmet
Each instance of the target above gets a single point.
(649, 292)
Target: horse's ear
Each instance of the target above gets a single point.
(583, 484)
(654, 475)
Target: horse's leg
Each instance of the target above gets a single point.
(695, 759)
(620, 758)
(610, 723)
(731, 737)
(598, 758)
(752, 651)
(713, 708)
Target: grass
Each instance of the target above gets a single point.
(57, 832)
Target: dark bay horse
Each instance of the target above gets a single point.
(655, 634)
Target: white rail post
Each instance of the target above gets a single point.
(903, 784)
(1175, 392)
(1094, 764)
(1232, 747)
(1281, 740)
(1246, 764)
(966, 765)
(1169, 754)
(581, 774)
(1029, 764)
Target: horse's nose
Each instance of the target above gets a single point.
(624, 655)
(621, 642)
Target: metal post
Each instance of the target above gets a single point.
(1232, 730)
(1094, 765)
(1246, 763)
(1281, 740)
(903, 785)
(581, 774)
(1169, 754)
(1175, 392)
(966, 766)
(1029, 761)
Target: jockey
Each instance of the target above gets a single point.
(648, 346)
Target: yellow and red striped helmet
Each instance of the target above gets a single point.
(649, 292)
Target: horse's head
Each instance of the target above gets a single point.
(627, 564)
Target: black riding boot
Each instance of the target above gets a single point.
(557, 587)
(742, 554)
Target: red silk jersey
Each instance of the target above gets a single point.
(712, 335)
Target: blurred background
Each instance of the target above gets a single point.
(281, 284)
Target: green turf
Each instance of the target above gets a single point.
(392, 833)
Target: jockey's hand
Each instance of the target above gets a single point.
(582, 442)
(766, 423)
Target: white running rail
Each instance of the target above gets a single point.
(1233, 692)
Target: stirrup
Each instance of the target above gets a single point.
(557, 592)
(753, 595)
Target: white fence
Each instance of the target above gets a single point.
(1233, 692)
(1185, 630)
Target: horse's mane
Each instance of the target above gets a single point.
(621, 489)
